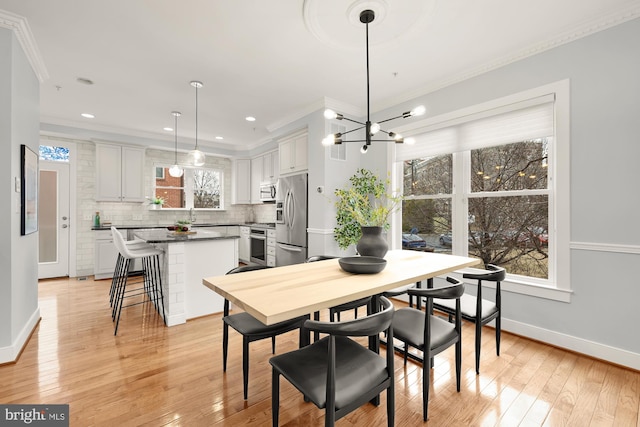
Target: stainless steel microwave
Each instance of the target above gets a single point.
(267, 193)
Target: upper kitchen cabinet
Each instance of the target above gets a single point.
(119, 173)
(256, 177)
(270, 167)
(241, 181)
(293, 153)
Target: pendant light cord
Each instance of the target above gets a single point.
(175, 158)
(196, 86)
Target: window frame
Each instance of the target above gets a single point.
(558, 285)
(189, 185)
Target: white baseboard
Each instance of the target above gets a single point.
(579, 345)
(10, 354)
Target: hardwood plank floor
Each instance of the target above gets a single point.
(152, 375)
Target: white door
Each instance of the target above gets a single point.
(53, 220)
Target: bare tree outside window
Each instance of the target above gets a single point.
(206, 189)
(508, 205)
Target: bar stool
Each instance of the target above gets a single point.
(151, 277)
(131, 244)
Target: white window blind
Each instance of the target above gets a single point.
(533, 118)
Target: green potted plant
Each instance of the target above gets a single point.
(156, 202)
(363, 209)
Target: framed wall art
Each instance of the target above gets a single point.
(29, 191)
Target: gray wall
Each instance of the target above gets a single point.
(604, 71)
(19, 124)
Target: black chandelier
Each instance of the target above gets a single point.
(371, 129)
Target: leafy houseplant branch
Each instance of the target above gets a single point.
(366, 202)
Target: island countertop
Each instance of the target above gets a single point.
(166, 236)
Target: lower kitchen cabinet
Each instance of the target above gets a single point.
(244, 246)
(106, 254)
(271, 248)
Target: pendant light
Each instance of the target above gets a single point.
(175, 170)
(371, 129)
(196, 157)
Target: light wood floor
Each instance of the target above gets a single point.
(158, 376)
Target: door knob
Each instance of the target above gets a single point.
(64, 226)
(64, 218)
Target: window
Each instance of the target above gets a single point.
(56, 154)
(198, 188)
(481, 183)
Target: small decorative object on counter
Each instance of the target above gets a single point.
(96, 219)
(156, 202)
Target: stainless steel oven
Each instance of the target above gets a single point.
(258, 237)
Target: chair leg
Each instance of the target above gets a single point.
(426, 379)
(458, 363)
(498, 328)
(225, 345)
(273, 345)
(316, 334)
(391, 405)
(245, 366)
(275, 397)
(478, 341)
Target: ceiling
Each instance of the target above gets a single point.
(274, 60)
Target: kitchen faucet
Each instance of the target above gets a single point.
(192, 216)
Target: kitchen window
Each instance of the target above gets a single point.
(492, 182)
(197, 188)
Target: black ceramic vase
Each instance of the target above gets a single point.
(372, 243)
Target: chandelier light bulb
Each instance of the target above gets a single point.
(418, 111)
(364, 149)
(375, 128)
(328, 140)
(330, 114)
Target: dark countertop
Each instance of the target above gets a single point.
(166, 236)
(153, 227)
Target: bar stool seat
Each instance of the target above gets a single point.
(150, 284)
(135, 244)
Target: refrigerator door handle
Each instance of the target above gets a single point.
(289, 248)
(292, 208)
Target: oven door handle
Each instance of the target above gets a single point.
(257, 237)
(289, 248)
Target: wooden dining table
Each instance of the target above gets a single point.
(275, 294)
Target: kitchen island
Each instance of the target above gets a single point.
(188, 258)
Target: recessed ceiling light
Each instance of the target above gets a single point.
(168, 129)
(250, 119)
(84, 81)
(87, 115)
(219, 137)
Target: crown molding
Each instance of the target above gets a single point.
(583, 30)
(21, 29)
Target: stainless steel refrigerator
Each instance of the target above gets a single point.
(291, 220)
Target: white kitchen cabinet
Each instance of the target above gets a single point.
(270, 167)
(271, 248)
(293, 154)
(241, 181)
(244, 246)
(256, 177)
(119, 173)
(105, 254)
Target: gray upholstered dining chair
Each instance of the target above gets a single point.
(430, 334)
(252, 329)
(338, 373)
(477, 309)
